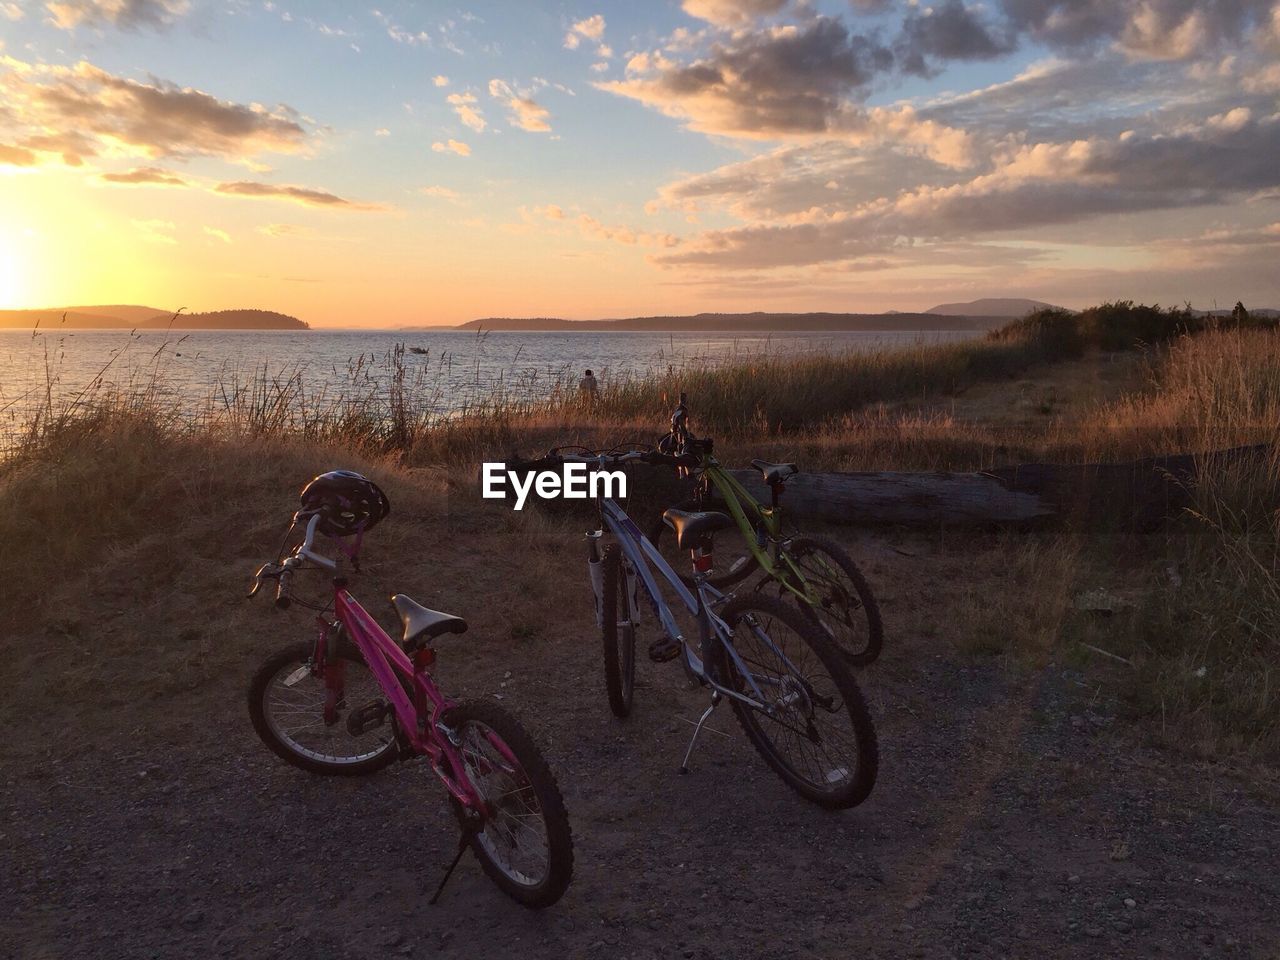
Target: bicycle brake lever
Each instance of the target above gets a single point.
(258, 577)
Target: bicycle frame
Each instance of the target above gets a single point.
(399, 677)
(641, 556)
(735, 495)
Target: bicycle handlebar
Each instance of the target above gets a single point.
(651, 457)
(282, 570)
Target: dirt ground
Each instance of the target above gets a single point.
(1016, 815)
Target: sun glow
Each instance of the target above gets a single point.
(13, 287)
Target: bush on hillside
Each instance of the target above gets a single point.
(1057, 332)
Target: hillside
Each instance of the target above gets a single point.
(228, 320)
(739, 322)
(79, 318)
(127, 317)
(991, 307)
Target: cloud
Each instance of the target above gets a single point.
(126, 14)
(16, 156)
(589, 226)
(1268, 235)
(454, 146)
(11, 11)
(522, 110)
(304, 195)
(399, 34)
(217, 234)
(73, 147)
(440, 80)
(731, 13)
(1144, 29)
(463, 106)
(592, 227)
(592, 28)
(949, 31)
(784, 82)
(154, 176)
(441, 193)
(281, 230)
(382, 132)
(153, 119)
(156, 231)
(1030, 187)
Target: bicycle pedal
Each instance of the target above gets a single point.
(664, 649)
(368, 717)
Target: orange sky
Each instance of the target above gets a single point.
(396, 166)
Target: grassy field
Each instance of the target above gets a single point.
(1182, 624)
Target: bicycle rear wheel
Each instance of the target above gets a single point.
(294, 713)
(618, 633)
(524, 844)
(846, 610)
(817, 734)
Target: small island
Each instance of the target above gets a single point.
(227, 320)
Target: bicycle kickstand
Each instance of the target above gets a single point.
(715, 702)
(463, 842)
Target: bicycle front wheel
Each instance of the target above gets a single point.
(814, 729)
(301, 712)
(844, 607)
(524, 843)
(618, 633)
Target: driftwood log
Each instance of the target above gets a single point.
(1137, 494)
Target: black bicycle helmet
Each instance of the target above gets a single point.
(347, 503)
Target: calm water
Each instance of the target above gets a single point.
(202, 371)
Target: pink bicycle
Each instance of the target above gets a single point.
(353, 701)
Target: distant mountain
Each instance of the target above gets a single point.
(745, 323)
(991, 307)
(133, 316)
(119, 317)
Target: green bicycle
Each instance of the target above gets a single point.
(823, 579)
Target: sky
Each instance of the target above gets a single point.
(430, 163)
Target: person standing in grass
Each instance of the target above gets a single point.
(588, 387)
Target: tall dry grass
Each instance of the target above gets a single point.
(107, 468)
(1205, 634)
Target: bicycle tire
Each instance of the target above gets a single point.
(541, 785)
(720, 581)
(839, 690)
(267, 718)
(619, 642)
(849, 642)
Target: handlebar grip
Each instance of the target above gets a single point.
(282, 598)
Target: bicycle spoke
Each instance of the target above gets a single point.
(296, 714)
(515, 834)
(805, 720)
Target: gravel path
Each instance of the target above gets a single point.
(1014, 817)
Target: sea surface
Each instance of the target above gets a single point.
(201, 372)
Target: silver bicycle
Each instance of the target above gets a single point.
(789, 688)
